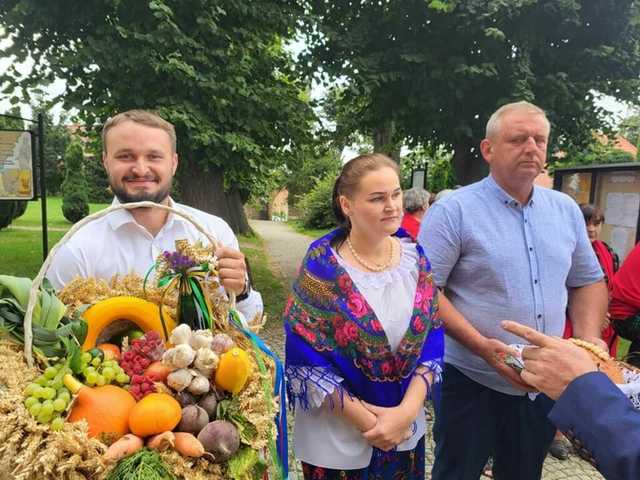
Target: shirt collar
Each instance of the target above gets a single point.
(123, 217)
(491, 185)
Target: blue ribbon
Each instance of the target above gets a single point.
(278, 389)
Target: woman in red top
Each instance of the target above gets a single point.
(625, 303)
(594, 218)
(415, 203)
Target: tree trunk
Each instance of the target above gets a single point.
(468, 164)
(204, 189)
(383, 140)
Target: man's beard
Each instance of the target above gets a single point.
(125, 197)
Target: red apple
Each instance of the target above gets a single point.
(157, 372)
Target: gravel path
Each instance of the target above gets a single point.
(286, 248)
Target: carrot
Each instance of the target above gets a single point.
(187, 445)
(161, 441)
(125, 446)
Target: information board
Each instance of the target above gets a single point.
(16, 165)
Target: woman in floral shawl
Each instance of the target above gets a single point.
(364, 342)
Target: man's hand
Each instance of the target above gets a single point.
(552, 363)
(492, 353)
(393, 427)
(232, 269)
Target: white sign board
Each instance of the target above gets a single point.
(16, 166)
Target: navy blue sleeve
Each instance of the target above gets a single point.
(594, 411)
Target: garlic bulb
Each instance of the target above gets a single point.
(221, 343)
(206, 361)
(199, 385)
(180, 335)
(180, 379)
(200, 339)
(180, 356)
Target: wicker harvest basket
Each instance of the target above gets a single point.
(29, 450)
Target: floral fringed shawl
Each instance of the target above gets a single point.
(335, 341)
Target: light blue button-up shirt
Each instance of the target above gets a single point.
(500, 260)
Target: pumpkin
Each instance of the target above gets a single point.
(105, 313)
(155, 413)
(233, 370)
(106, 409)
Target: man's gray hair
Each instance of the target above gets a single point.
(415, 199)
(495, 121)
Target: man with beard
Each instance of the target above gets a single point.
(505, 249)
(139, 156)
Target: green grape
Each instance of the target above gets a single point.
(100, 380)
(50, 372)
(122, 378)
(57, 423)
(42, 393)
(56, 383)
(35, 409)
(89, 370)
(47, 408)
(86, 357)
(31, 389)
(44, 417)
(96, 362)
(108, 373)
(91, 378)
(64, 394)
(49, 393)
(42, 381)
(29, 401)
(59, 405)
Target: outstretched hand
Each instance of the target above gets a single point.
(551, 363)
(493, 354)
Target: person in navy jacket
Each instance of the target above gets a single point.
(589, 408)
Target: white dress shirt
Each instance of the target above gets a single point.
(117, 245)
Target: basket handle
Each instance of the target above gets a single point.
(37, 281)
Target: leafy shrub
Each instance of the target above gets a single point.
(75, 204)
(316, 205)
(10, 210)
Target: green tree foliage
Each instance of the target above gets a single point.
(595, 153)
(630, 129)
(315, 164)
(56, 141)
(75, 204)
(316, 205)
(438, 161)
(435, 70)
(217, 69)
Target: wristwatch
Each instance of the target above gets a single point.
(247, 290)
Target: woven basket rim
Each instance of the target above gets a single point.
(39, 278)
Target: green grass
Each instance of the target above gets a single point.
(310, 232)
(55, 218)
(271, 286)
(21, 253)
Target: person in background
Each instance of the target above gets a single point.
(415, 203)
(358, 365)
(625, 303)
(504, 248)
(608, 259)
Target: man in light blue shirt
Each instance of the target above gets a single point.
(504, 249)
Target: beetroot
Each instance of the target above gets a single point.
(194, 419)
(221, 439)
